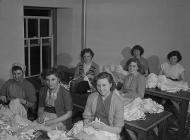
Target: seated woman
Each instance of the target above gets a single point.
(134, 83)
(18, 87)
(85, 71)
(137, 51)
(55, 102)
(105, 105)
(172, 69)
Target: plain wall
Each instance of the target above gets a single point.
(113, 27)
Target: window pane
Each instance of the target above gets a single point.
(26, 56)
(32, 28)
(46, 53)
(37, 12)
(24, 28)
(35, 60)
(44, 27)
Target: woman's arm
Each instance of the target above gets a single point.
(104, 127)
(62, 118)
(26, 103)
(182, 77)
(41, 115)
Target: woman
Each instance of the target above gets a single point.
(18, 87)
(137, 51)
(85, 71)
(134, 83)
(105, 105)
(172, 69)
(55, 102)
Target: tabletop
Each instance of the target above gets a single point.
(182, 95)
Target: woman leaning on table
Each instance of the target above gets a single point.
(55, 102)
(173, 69)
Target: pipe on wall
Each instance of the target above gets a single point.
(83, 31)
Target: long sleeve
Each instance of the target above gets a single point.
(134, 88)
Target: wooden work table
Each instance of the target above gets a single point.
(182, 97)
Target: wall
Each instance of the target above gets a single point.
(11, 36)
(113, 27)
(12, 31)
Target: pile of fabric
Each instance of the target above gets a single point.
(165, 84)
(117, 72)
(14, 124)
(79, 131)
(138, 107)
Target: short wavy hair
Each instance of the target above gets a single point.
(86, 50)
(174, 53)
(137, 47)
(135, 60)
(107, 76)
(52, 71)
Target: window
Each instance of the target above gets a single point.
(38, 40)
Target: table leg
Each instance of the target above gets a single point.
(182, 118)
(162, 130)
(142, 135)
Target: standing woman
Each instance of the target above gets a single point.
(134, 83)
(85, 71)
(172, 69)
(137, 51)
(55, 102)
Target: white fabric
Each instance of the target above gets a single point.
(57, 135)
(117, 72)
(165, 84)
(168, 85)
(172, 71)
(17, 108)
(138, 107)
(151, 81)
(89, 131)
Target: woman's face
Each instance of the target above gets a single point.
(132, 68)
(18, 75)
(173, 60)
(52, 81)
(87, 58)
(104, 86)
(136, 53)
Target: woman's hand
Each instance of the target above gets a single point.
(90, 76)
(98, 126)
(41, 118)
(3, 98)
(23, 101)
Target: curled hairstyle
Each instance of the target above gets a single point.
(107, 76)
(15, 68)
(137, 47)
(174, 53)
(51, 71)
(86, 50)
(135, 60)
